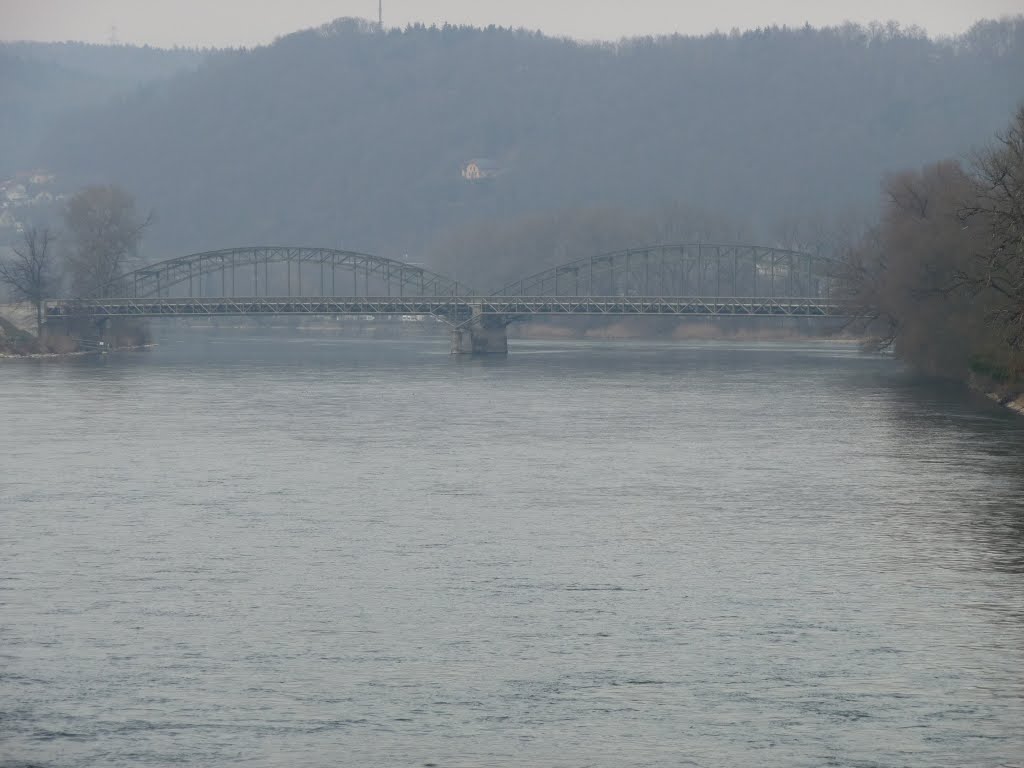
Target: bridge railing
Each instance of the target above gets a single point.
(452, 309)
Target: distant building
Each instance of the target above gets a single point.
(14, 192)
(40, 177)
(481, 168)
(24, 194)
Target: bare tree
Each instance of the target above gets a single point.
(900, 278)
(105, 229)
(941, 278)
(998, 209)
(30, 274)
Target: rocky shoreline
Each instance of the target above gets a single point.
(1000, 394)
(1014, 402)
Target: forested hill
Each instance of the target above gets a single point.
(352, 137)
(41, 82)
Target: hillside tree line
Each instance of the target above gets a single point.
(354, 137)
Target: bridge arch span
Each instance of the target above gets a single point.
(280, 271)
(684, 269)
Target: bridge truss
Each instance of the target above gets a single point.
(280, 271)
(687, 269)
(696, 279)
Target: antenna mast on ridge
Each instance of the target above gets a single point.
(380, 14)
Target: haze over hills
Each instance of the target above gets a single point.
(40, 83)
(352, 137)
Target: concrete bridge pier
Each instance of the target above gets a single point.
(105, 332)
(483, 335)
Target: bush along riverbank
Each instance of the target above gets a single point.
(16, 342)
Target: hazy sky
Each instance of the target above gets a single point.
(249, 22)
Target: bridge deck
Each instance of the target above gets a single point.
(455, 309)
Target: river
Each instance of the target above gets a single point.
(240, 550)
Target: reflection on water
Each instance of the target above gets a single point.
(349, 552)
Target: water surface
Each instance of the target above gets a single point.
(325, 552)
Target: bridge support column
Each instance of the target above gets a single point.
(484, 335)
(105, 328)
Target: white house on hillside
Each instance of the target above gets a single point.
(481, 168)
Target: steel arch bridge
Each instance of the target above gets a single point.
(695, 270)
(256, 271)
(690, 279)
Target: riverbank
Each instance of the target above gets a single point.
(74, 353)
(77, 353)
(16, 343)
(1000, 393)
(1015, 403)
